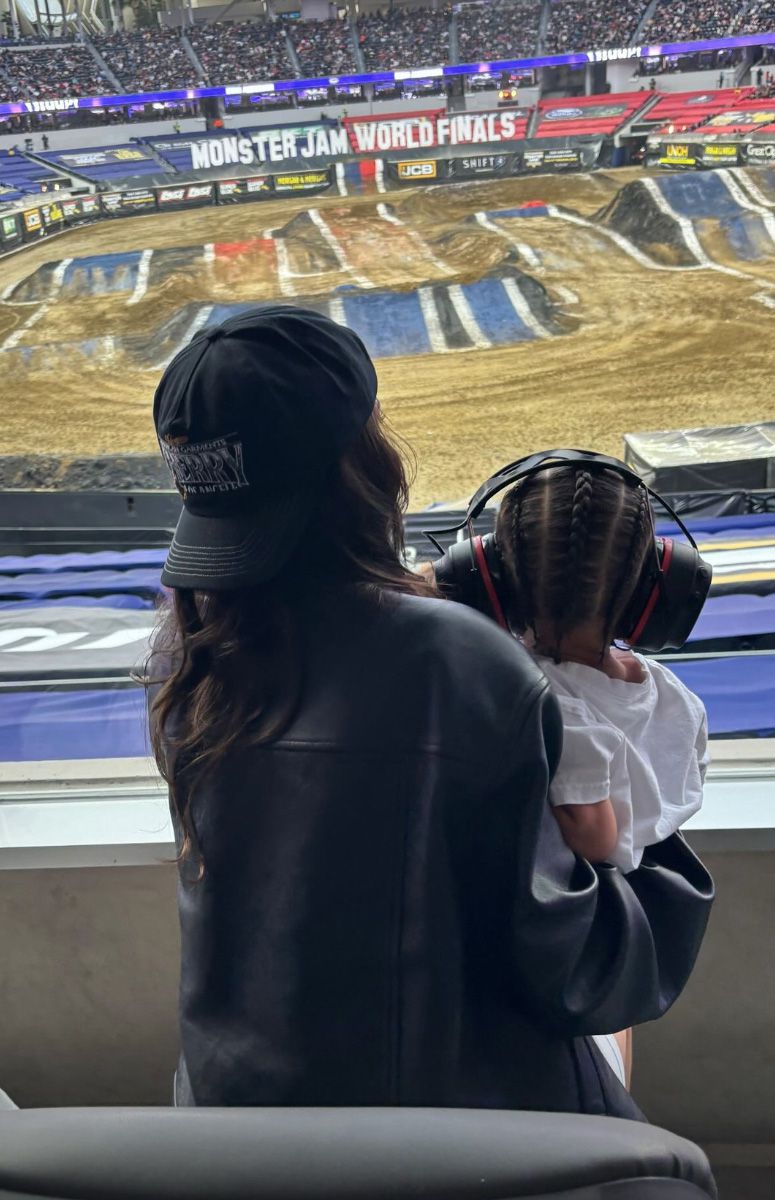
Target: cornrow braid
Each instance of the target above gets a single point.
(522, 577)
(578, 533)
(632, 564)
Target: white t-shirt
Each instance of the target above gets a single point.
(642, 745)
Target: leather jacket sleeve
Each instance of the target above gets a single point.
(593, 950)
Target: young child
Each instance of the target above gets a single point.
(573, 544)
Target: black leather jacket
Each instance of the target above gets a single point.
(389, 915)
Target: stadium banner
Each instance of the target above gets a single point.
(280, 146)
(417, 170)
(677, 154)
(52, 215)
(126, 204)
(237, 191)
(10, 230)
(191, 195)
(434, 129)
(714, 154)
(478, 166)
(81, 208)
(759, 153)
(75, 159)
(32, 225)
(695, 155)
(555, 158)
(303, 181)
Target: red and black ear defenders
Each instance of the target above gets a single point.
(667, 599)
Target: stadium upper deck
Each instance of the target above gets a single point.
(224, 52)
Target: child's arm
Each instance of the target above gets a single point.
(589, 829)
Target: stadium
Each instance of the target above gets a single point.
(552, 224)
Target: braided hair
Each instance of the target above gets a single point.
(573, 544)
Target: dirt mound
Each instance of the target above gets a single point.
(634, 213)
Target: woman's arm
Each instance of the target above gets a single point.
(589, 829)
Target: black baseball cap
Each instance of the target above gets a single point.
(251, 416)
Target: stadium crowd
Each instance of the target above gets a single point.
(496, 31)
(148, 60)
(418, 38)
(689, 19)
(578, 24)
(241, 53)
(64, 69)
(323, 47)
(157, 59)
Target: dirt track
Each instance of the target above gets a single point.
(645, 348)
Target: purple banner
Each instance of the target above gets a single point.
(578, 59)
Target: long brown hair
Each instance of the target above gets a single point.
(573, 543)
(226, 666)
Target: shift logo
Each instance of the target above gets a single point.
(203, 468)
(417, 170)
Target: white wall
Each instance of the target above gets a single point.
(624, 78)
(110, 135)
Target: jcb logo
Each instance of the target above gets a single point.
(417, 170)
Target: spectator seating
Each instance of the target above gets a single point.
(22, 175)
(243, 53)
(759, 18)
(582, 24)
(324, 47)
(689, 19)
(106, 164)
(149, 60)
(490, 32)
(587, 114)
(677, 112)
(45, 73)
(419, 38)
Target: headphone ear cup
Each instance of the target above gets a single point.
(458, 578)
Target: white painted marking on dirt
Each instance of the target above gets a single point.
(430, 314)
(58, 277)
(208, 252)
(199, 321)
(688, 231)
(423, 247)
(379, 175)
(765, 298)
(566, 294)
(618, 239)
(753, 190)
(141, 283)
(14, 338)
(284, 271)
(387, 215)
(340, 179)
(335, 245)
(738, 195)
(527, 252)
(336, 310)
(523, 310)
(467, 318)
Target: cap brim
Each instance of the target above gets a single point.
(211, 553)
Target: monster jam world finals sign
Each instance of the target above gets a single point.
(361, 137)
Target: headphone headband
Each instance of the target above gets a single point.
(547, 460)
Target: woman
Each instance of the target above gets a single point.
(376, 904)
